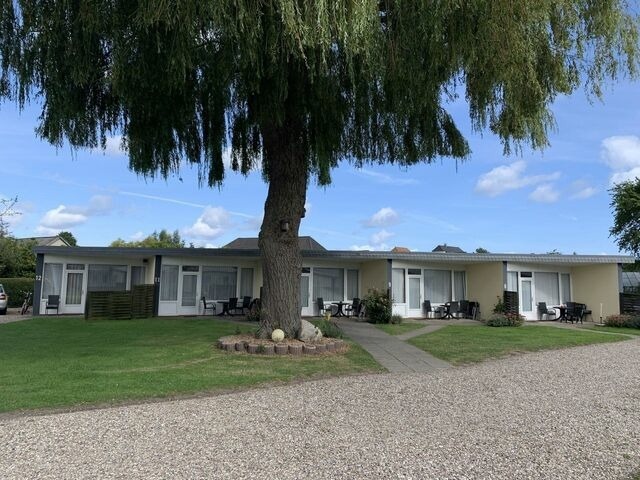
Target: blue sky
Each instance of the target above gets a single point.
(532, 202)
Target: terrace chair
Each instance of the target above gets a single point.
(353, 308)
(464, 308)
(321, 306)
(574, 312)
(454, 309)
(543, 310)
(208, 305)
(246, 304)
(428, 309)
(233, 306)
(53, 303)
(585, 311)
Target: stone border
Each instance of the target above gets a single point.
(268, 347)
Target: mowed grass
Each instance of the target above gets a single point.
(67, 361)
(624, 330)
(399, 328)
(474, 343)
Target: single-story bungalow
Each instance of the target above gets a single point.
(182, 276)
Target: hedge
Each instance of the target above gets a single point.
(16, 288)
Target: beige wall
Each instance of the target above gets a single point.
(373, 274)
(485, 285)
(595, 285)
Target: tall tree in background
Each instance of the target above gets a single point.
(164, 239)
(625, 201)
(7, 209)
(298, 86)
(69, 238)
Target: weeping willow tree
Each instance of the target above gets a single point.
(293, 87)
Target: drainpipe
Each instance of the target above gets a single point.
(37, 286)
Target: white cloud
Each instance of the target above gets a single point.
(380, 237)
(136, 237)
(622, 155)
(384, 178)
(510, 177)
(115, 147)
(384, 217)
(545, 194)
(581, 190)
(211, 224)
(60, 218)
(63, 217)
(361, 247)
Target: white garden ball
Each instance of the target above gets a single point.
(277, 335)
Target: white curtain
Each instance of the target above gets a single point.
(328, 284)
(512, 281)
(352, 284)
(437, 286)
(52, 282)
(246, 282)
(459, 284)
(546, 288)
(219, 283)
(107, 278)
(137, 275)
(169, 283)
(397, 285)
(565, 287)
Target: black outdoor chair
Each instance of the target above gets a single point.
(585, 311)
(53, 303)
(464, 308)
(208, 305)
(354, 308)
(321, 306)
(543, 310)
(246, 304)
(574, 312)
(234, 307)
(426, 307)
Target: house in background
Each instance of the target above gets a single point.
(182, 276)
(54, 241)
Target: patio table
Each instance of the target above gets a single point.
(225, 307)
(563, 312)
(339, 312)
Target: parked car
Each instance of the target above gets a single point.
(4, 301)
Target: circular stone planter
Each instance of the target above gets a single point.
(249, 344)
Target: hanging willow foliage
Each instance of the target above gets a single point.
(186, 79)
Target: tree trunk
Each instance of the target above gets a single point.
(286, 168)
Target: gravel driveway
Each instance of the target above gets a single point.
(566, 414)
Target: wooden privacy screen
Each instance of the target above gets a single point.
(134, 303)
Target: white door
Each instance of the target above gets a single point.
(414, 303)
(305, 295)
(72, 297)
(189, 300)
(526, 299)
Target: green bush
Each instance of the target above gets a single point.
(504, 320)
(396, 319)
(329, 328)
(16, 288)
(623, 320)
(377, 305)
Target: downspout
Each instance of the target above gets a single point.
(37, 286)
(156, 284)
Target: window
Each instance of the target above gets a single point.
(352, 284)
(246, 282)
(219, 283)
(459, 285)
(512, 281)
(565, 287)
(437, 286)
(138, 275)
(169, 283)
(190, 268)
(75, 266)
(414, 271)
(397, 285)
(546, 287)
(52, 282)
(328, 283)
(107, 278)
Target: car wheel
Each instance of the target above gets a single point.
(3, 312)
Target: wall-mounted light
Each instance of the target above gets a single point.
(284, 225)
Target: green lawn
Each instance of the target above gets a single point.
(67, 361)
(627, 331)
(399, 328)
(469, 344)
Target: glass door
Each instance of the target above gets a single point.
(526, 298)
(305, 294)
(73, 293)
(189, 298)
(415, 299)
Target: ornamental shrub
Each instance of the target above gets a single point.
(16, 289)
(504, 320)
(396, 319)
(329, 328)
(377, 305)
(623, 320)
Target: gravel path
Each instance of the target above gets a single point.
(566, 414)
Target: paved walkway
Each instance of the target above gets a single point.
(391, 352)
